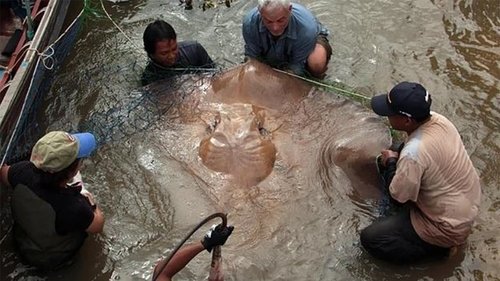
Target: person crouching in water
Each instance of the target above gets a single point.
(52, 216)
(432, 175)
(169, 57)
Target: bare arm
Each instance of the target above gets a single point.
(178, 261)
(4, 171)
(97, 224)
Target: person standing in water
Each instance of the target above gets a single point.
(287, 36)
(52, 213)
(432, 175)
(167, 57)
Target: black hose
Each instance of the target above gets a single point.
(207, 219)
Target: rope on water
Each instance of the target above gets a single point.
(6, 234)
(341, 91)
(207, 219)
(118, 27)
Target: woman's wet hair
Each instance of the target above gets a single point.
(157, 31)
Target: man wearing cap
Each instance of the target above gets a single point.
(52, 216)
(432, 175)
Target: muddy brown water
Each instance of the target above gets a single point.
(301, 222)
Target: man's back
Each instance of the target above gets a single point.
(446, 185)
(49, 223)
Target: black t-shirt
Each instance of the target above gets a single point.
(73, 211)
(191, 55)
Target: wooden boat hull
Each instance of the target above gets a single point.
(48, 18)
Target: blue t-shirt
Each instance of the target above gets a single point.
(292, 48)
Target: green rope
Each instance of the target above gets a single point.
(29, 20)
(90, 9)
(341, 91)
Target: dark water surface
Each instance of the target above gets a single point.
(153, 188)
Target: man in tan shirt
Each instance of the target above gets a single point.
(432, 175)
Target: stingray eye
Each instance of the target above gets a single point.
(216, 120)
(257, 122)
(211, 127)
(263, 131)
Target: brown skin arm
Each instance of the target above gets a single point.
(386, 154)
(4, 171)
(97, 224)
(178, 261)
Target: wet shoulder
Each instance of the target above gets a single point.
(193, 54)
(430, 138)
(22, 173)
(151, 73)
(190, 49)
(413, 146)
(305, 20)
(189, 44)
(252, 17)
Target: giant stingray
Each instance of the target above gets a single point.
(253, 116)
(273, 151)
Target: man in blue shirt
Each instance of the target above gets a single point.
(287, 36)
(169, 57)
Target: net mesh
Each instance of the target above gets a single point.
(118, 106)
(118, 118)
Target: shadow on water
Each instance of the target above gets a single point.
(89, 264)
(433, 269)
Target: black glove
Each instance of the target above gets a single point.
(216, 236)
(397, 146)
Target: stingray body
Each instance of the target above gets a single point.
(239, 145)
(274, 152)
(235, 107)
(252, 116)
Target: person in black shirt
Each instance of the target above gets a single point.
(52, 212)
(167, 57)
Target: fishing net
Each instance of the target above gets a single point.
(119, 118)
(117, 106)
(113, 106)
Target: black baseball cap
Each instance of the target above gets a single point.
(406, 98)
